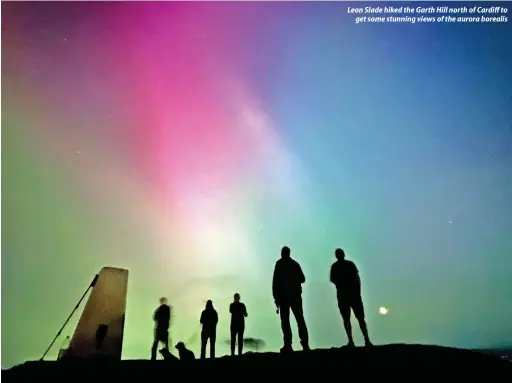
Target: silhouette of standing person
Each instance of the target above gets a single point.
(345, 276)
(162, 318)
(209, 320)
(238, 314)
(287, 290)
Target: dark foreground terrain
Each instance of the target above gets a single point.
(412, 362)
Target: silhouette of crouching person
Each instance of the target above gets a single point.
(209, 320)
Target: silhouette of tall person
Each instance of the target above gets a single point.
(345, 276)
(209, 320)
(162, 318)
(238, 314)
(287, 290)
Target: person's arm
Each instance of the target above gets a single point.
(357, 278)
(302, 277)
(332, 276)
(275, 283)
(215, 317)
(231, 308)
(245, 311)
(202, 318)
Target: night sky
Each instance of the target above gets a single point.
(189, 142)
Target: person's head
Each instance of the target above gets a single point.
(209, 304)
(285, 252)
(180, 346)
(236, 297)
(340, 254)
(163, 301)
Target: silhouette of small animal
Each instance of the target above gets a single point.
(185, 354)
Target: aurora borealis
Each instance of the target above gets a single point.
(188, 142)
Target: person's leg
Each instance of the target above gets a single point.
(284, 312)
(213, 338)
(240, 340)
(165, 339)
(154, 348)
(358, 307)
(298, 313)
(204, 339)
(344, 307)
(233, 339)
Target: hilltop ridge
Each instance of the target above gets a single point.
(397, 360)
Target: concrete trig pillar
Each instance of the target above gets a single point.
(99, 333)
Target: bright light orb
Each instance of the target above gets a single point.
(383, 310)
